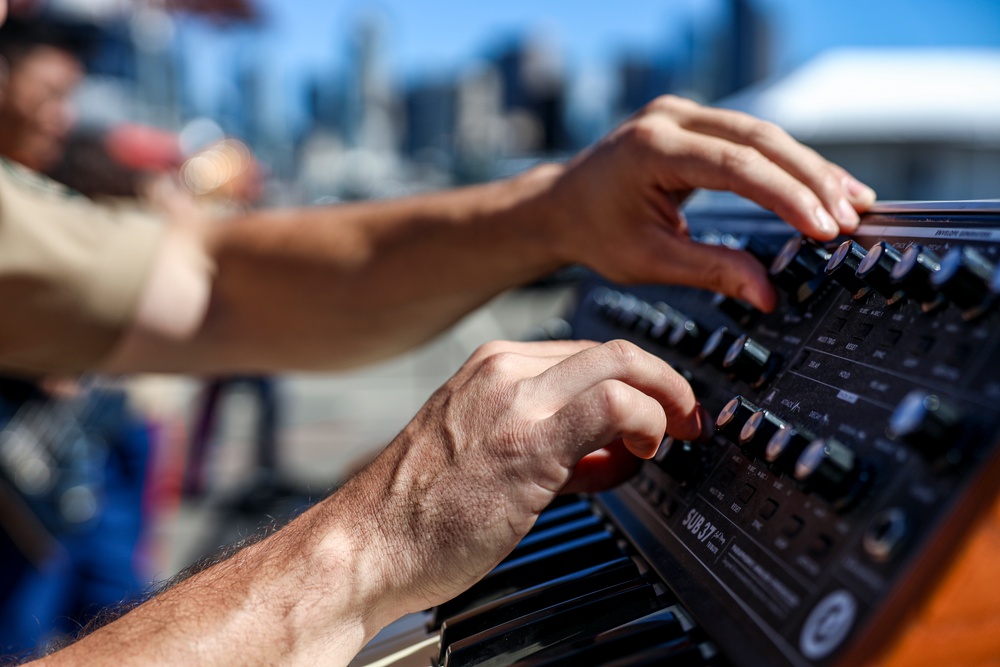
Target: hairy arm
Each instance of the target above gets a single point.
(433, 513)
(340, 286)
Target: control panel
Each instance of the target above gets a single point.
(856, 427)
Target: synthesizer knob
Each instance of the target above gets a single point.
(913, 275)
(750, 361)
(663, 319)
(682, 460)
(688, 337)
(758, 431)
(738, 311)
(718, 343)
(799, 268)
(929, 424)
(964, 277)
(843, 267)
(785, 447)
(876, 270)
(733, 416)
(761, 250)
(885, 535)
(830, 470)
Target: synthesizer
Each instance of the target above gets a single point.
(856, 441)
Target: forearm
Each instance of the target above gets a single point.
(304, 596)
(340, 286)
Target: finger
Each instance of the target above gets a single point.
(718, 164)
(504, 353)
(607, 411)
(624, 362)
(802, 162)
(604, 469)
(716, 268)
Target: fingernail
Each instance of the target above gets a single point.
(846, 214)
(858, 191)
(825, 222)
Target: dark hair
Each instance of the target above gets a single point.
(18, 37)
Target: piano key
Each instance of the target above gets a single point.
(665, 655)
(584, 616)
(548, 594)
(561, 513)
(551, 536)
(532, 570)
(663, 631)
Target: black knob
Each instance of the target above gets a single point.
(964, 278)
(757, 432)
(829, 469)
(760, 249)
(737, 310)
(688, 337)
(843, 267)
(799, 268)
(876, 270)
(602, 298)
(664, 318)
(785, 447)
(717, 345)
(929, 424)
(681, 459)
(885, 534)
(913, 275)
(750, 361)
(733, 416)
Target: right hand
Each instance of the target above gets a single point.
(518, 424)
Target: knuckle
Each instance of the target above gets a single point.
(615, 400)
(765, 133)
(499, 364)
(739, 159)
(622, 353)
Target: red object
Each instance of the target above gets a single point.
(144, 148)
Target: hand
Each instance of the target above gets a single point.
(619, 202)
(518, 424)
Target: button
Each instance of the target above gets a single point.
(746, 493)
(738, 311)
(793, 526)
(799, 268)
(717, 345)
(785, 447)
(862, 331)
(757, 432)
(843, 266)
(750, 361)
(688, 337)
(733, 416)
(876, 270)
(837, 325)
(829, 469)
(726, 479)
(928, 423)
(964, 278)
(912, 273)
(768, 509)
(819, 546)
(885, 534)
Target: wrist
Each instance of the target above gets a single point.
(541, 215)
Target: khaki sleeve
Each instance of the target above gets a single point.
(71, 274)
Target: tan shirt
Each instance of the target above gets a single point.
(71, 273)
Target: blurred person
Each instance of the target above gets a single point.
(334, 287)
(75, 455)
(42, 71)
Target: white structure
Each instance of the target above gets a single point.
(917, 124)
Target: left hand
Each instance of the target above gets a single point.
(618, 203)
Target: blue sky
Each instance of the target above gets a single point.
(303, 37)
